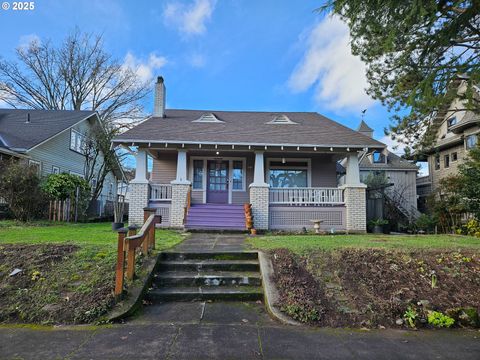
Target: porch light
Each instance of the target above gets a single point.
(249, 147)
(166, 144)
(149, 144)
(133, 144)
(282, 147)
(199, 146)
(217, 153)
(331, 149)
(314, 148)
(216, 146)
(298, 148)
(233, 147)
(265, 147)
(183, 145)
(283, 161)
(348, 149)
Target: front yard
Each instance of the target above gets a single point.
(376, 280)
(67, 271)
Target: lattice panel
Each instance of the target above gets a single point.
(164, 211)
(297, 218)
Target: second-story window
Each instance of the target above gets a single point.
(77, 141)
(454, 156)
(471, 141)
(378, 157)
(446, 161)
(451, 122)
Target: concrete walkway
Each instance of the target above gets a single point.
(212, 242)
(228, 331)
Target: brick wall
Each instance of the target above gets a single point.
(179, 201)
(355, 202)
(259, 200)
(138, 200)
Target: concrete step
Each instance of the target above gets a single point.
(207, 278)
(235, 293)
(215, 227)
(212, 255)
(209, 265)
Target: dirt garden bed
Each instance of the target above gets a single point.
(379, 287)
(57, 283)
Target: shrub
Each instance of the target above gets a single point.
(426, 222)
(439, 319)
(20, 186)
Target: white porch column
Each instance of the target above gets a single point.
(259, 194)
(181, 168)
(259, 172)
(355, 197)
(180, 188)
(138, 190)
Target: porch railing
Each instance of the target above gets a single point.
(306, 196)
(162, 192)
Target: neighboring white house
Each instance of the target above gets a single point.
(52, 142)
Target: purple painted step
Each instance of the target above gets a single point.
(216, 216)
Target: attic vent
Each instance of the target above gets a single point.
(208, 118)
(281, 119)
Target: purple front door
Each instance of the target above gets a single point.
(217, 182)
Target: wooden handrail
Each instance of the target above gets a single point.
(127, 245)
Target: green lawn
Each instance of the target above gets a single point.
(301, 244)
(85, 276)
(79, 234)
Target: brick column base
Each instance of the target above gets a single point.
(179, 201)
(259, 201)
(356, 208)
(138, 200)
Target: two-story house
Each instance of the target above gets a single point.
(53, 141)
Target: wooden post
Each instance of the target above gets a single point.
(150, 236)
(132, 230)
(119, 271)
(130, 262)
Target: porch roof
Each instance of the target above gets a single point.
(246, 128)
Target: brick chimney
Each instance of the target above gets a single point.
(159, 102)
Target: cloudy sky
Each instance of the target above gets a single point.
(272, 55)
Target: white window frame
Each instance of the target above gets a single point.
(448, 122)
(78, 135)
(451, 156)
(36, 163)
(230, 174)
(71, 172)
(308, 167)
(55, 170)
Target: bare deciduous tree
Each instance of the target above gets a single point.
(77, 75)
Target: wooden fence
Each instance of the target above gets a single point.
(62, 210)
(128, 242)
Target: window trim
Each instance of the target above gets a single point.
(77, 133)
(383, 157)
(71, 172)
(466, 141)
(308, 167)
(446, 161)
(451, 156)
(449, 126)
(55, 168)
(203, 175)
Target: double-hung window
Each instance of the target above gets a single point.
(288, 174)
(77, 141)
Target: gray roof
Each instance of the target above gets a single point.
(19, 135)
(247, 127)
(393, 162)
(364, 127)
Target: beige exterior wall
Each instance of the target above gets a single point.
(164, 168)
(443, 172)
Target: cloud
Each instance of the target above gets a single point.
(197, 60)
(144, 68)
(25, 40)
(393, 145)
(328, 66)
(189, 19)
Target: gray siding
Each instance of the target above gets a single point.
(324, 171)
(56, 152)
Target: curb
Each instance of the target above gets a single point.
(270, 291)
(134, 298)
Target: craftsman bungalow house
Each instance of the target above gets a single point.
(283, 163)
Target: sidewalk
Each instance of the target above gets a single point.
(228, 331)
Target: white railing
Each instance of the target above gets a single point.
(162, 192)
(306, 196)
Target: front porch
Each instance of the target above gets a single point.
(287, 189)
